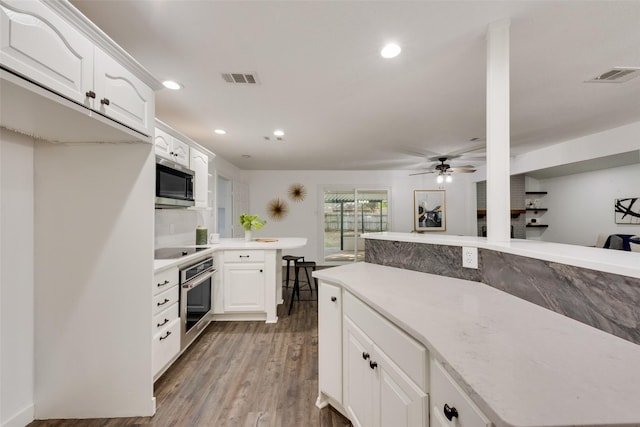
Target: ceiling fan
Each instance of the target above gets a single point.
(445, 170)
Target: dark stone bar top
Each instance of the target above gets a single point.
(598, 287)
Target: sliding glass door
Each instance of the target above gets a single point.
(347, 214)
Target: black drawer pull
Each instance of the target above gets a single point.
(166, 282)
(166, 336)
(365, 355)
(450, 412)
(244, 256)
(163, 323)
(163, 302)
(334, 299)
(372, 364)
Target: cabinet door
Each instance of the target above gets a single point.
(199, 162)
(122, 96)
(40, 45)
(163, 144)
(180, 152)
(330, 340)
(359, 380)
(401, 402)
(244, 287)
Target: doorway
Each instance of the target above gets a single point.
(347, 214)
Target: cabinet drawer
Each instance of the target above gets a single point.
(408, 353)
(164, 280)
(166, 345)
(165, 299)
(243, 256)
(164, 318)
(444, 390)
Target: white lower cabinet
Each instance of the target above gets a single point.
(450, 404)
(244, 287)
(329, 343)
(166, 320)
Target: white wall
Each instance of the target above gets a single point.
(16, 279)
(305, 218)
(581, 205)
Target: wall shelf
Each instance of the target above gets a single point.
(537, 209)
(535, 192)
(481, 213)
(537, 225)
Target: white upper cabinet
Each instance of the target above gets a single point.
(40, 45)
(199, 162)
(54, 46)
(121, 95)
(171, 148)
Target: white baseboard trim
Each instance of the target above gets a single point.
(22, 418)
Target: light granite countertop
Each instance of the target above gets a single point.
(229, 244)
(607, 260)
(521, 364)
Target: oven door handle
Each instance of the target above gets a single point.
(201, 278)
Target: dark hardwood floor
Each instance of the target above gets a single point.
(240, 374)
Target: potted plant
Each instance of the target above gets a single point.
(250, 222)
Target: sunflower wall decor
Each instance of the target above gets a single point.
(297, 192)
(277, 209)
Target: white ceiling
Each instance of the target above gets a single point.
(342, 106)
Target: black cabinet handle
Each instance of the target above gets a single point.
(372, 364)
(166, 282)
(105, 101)
(166, 336)
(91, 94)
(244, 256)
(260, 270)
(163, 302)
(333, 299)
(450, 412)
(365, 355)
(163, 323)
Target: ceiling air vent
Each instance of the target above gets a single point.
(243, 78)
(617, 75)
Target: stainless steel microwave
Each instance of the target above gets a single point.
(174, 184)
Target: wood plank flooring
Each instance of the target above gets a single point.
(240, 374)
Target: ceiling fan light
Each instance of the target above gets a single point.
(440, 179)
(449, 178)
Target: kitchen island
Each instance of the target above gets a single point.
(506, 361)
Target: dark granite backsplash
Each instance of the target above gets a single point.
(606, 301)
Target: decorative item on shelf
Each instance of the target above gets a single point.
(277, 209)
(201, 235)
(249, 222)
(297, 192)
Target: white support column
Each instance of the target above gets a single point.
(498, 133)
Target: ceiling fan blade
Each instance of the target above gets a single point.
(461, 170)
(421, 173)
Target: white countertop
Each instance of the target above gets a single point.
(522, 365)
(611, 261)
(229, 244)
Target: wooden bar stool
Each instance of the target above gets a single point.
(296, 283)
(290, 258)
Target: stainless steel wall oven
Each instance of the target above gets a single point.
(195, 299)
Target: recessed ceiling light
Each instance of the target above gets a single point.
(170, 84)
(220, 131)
(278, 132)
(391, 50)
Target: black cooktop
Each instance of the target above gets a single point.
(173, 253)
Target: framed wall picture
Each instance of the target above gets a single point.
(429, 209)
(627, 211)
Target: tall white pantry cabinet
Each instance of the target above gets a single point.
(94, 215)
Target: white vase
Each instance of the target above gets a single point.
(247, 235)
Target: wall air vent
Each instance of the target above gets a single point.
(616, 75)
(242, 78)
